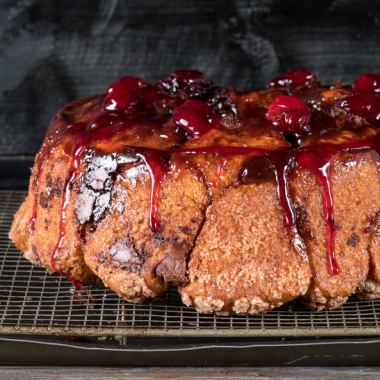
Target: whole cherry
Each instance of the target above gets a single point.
(192, 82)
(193, 117)
(367, 82)
(128, 83)
(361, 103)
(118, 100)
(289, 113)
(294, 78)
(129, 91)
(124, 93)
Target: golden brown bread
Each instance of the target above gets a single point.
(137, 199)
(236, 268)
(356, 199)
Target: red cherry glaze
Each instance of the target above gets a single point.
(361, 104)
(283, 163)
(192, 82)
(367, 82)
(193, 117)
(157, 162)
(289, 113)
(77, 149)
(318, 161)
(294, 78)
(196, 117)
(118, 100)
(131, 91)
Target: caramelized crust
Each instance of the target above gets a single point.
(356, 191)
(227, 211)
(370, 288)
(124, 252)
(234, 267)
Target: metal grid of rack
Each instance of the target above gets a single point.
(32, 301)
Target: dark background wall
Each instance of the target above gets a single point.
(53, 52)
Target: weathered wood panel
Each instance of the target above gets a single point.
(53, 52)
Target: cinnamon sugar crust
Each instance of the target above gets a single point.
(138, 200)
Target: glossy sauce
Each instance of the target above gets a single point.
(157, 163)
(154, 105)
(78, 147)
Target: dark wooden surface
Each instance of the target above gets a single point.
(53, 52)
(63, 373)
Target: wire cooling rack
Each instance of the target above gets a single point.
(32, 301)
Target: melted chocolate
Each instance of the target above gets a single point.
(126, 256)
(173, 267)
(111, 131)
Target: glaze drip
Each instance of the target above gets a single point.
(319, 163)
(75, 162)
(126, 123)
(158, 163)
(283, 164)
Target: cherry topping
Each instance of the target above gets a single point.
(124, 93)
(289, 113)
(192, 82)
(128, 83)
(118, 100)
(131, 91)
(193, 117)
(367, 82)
(361, 103)
(294, 78)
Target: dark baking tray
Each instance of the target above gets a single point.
(45, 317)
(29, 351)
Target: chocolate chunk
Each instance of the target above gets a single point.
(120, 208)
(35, 253)
(52, 189)
(97, 186)
(132, 174)
(124, 252)
(185, 230)
(84, 205)
(98, 170)
(96, 179)
(44, 200)
(101, 204)
(173, 267)
(302, 216)
(306, 233)
(371, 222)
(160, 239)
(257, 169)
(125, 255)
(360, 288)
(353, 240)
